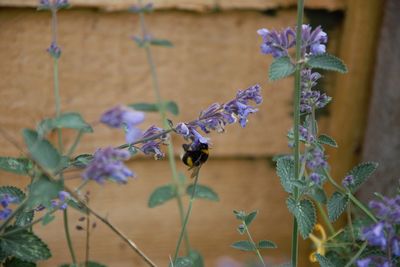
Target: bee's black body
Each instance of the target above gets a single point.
(195, 157)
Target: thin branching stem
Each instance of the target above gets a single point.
(254, 244)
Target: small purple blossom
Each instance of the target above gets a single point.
(316, 178)
(54, 50)
(5, 201)
(313, 41)
(277, 43)
(217, 116)
(348, 181)
(153, 147)
(56, 4)
(107, 164)
(61, 202)
(310, 99)
(124, 117)
(316, 159)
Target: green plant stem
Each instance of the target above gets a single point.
(350, 222)
(353, 199)
(68, 236)
(326, 219)
(185, 222)
(59, 133)
(160, 102)
(254, 244)
(357, 255)
(296, 120)
(75, 144)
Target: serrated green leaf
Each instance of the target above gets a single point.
(324, 262)
(15, 165)
(327, 62)
(170, 106)
(318, 194)
(43, 152)
(25, 246)
(327, 140)
(361, 173)
(203, 191)
(336, 205)
(71, 120)
(285, 170)
(305, 213)
(197, 258)
(12, 191)
(161, 195)
(183, 262)
(250, 217)
(24, 218)
(281, 68)
(161, 42)
(14, 262)
(244, 245)
(42, 191)
(266, 244)
(300, 184)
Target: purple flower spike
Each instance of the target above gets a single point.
(348, 181)
(107, 165)
(5, 201)
(277, 43)
(153, 147)
(313, 42)
(120, 116)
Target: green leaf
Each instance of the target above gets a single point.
(73, 203)
(82, 161)
(182, 178)
(202, 191)
(336, 205)
(93, 264)
(161, 42)
(25, 246)
(324, 262)
(197, 258)
(281, 68)
(71, 120)
(318, 194)
(285, 170)
(266, 244)
(305, 214)
(42, 191)
(327, 140)
(48, 218)
(15, 165)
(24, 218)
(12, 191)
(14, 262)
(161, 195)
(43, 152)
(183, 262)
(244, 245)
(250, 217)
(170, 106)
(240, 215)
(327, 62)
(361, 173)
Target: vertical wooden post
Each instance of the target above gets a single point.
(352, 91)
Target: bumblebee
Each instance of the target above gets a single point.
(195, 157)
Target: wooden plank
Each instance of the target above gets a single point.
(241, 184)
(382, 143)
(351, 97)
(192, 5)
(100, 68)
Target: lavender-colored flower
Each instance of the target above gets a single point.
(5, 201)
(54, 50)
(348, 181)
(44, 4)
(107, 164)
(376, 235)
(153, 147)
(122, 116)
(316, 178)
(316, 159)
(61, 202)
(313, 41)
(310, 99)
(277, 43)
(217, 116)
(61, 4)
(364, 262)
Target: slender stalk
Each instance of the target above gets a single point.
(185, 222)
(160, 102)
(87, 234)
(350, 223)
(75, 144)
(296, 119)
(254, 244)
(357, 255)
(325, 218)
(58, 113)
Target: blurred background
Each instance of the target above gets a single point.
(216, 52)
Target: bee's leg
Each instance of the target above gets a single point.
(195, 171)
(185, 147)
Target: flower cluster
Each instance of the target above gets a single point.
(217, 116)
(107, 164)
(383, 234)
(54, 50)
(57, 4)
(311, 99)
(348, 181)
(5, 201)
(61, 202)
(278, 43)
(315, 160)
(152, 147)
(124, 117)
